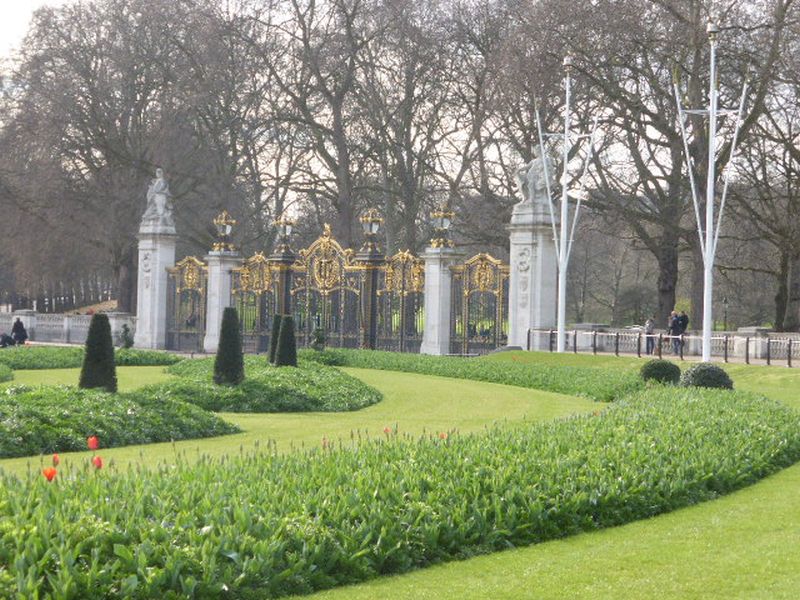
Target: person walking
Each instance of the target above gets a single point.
(683, 321)
(649, 332)
(18, 333)
(674, 328)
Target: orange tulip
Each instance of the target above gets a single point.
(93, 442)
(387, 430)
(56, 460)
(97, 462)
(443, 436)
(49, 473)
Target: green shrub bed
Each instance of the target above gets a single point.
(48, 419)
(264, 524)
(67, 357)
(598, 383)
(311, 387)
(6, 374)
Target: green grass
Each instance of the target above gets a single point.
(415, 403)
(129, 378)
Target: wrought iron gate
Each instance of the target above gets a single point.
(326, 290)
(254, 298)
(186, 305)
(479, 312)
(401, 310)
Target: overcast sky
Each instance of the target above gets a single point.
(14, 18)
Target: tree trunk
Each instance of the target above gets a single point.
(791, 287)
(125, 274)
(667, 276)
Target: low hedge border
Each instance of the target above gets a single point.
(35, 420)
(6, 374)
(309, 388)
(66, 357)
(600, 384)
(265, 525)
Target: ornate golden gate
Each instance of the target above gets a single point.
(186, 305)
(401, 310)
(479, 313)
(254, 298)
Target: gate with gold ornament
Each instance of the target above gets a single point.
(401, 310)
(479, 313)
(253, 292)
(186, 305)
(326, 290)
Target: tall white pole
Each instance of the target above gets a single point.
(708, 258)
(561, 340)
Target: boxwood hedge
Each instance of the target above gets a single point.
(266, 524)
(311, 387)
(68, 357)
(48, 419)
(597, 383)
(6, 374)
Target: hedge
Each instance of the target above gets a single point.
(70, 357)
(597, 383)
(46, 419)
(311, 387)
(264, 524)
(6, 374)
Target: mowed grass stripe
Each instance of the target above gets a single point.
(416, 403)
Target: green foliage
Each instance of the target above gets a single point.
(318, 339)
(311, 387)
(273, 337)
(662, 371)
(68, 357)
(99, 369)
(706, 375)
(126, 337)
(597, 383)
(286, 352)
(6, 374)
(274, 524)
(59, 418)
(229, 363)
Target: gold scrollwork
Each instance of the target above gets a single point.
(189, 275)
(404, 274)
(255, 275)
(324, 263)
(483, 273)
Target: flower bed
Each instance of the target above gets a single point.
(311, 387)
(70, 357)
(265, 525)
(59, 418)
(598, 383)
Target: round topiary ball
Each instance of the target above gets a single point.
(662, 371)
(706, 375)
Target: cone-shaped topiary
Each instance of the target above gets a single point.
(286, 353)
(229, 365)
(99, 369)
(273, 338)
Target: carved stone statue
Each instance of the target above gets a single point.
(531, 179)
(159, 203)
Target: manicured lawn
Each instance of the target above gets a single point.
(415, 403)
(128, 378)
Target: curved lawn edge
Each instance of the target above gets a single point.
(328, 518)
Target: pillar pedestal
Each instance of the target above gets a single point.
(156, 255)
(220, 281)
(438, 290)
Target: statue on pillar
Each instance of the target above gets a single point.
(532, 179)
(159, 203)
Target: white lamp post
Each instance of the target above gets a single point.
(708, 230)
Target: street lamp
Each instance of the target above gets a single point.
(285, 227)
(371, 223)
(224, 224)
(442, 219)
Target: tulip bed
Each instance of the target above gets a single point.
(267, 524)
(310, 387)
(601, 384)
(59, 418)
(6, 374)
(69, 357)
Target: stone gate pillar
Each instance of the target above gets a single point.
(222, 260)
(157, 239)
(438, 290)
(533, 283)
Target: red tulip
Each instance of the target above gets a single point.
(56, 460)
(443, 436)
(97, 462)
(93, 442)
(387, 430)
(49, 473)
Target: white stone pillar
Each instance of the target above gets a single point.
(438, 289)
(218, 297)
(533, 282)
(156, 255)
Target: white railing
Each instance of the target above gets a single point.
(62, 328)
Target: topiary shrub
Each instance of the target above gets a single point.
(286, 352)
(229, 364)
(273, 338)
(706, 375)
(99, 369)
(662, 371)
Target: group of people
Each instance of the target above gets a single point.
(18, 335)
(677, 324)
